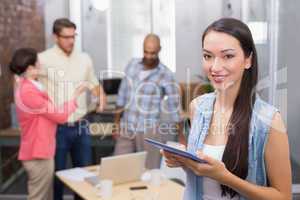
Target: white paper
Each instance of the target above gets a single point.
(75, 174)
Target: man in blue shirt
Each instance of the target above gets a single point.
(148, 90)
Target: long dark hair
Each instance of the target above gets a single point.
(235, 156)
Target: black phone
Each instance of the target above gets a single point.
(138, 188)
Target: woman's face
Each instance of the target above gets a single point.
(224, 61)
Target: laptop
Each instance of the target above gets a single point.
(123, 168)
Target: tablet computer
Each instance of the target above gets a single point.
(174, 150)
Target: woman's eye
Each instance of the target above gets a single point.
(206, 56)
(229, 56)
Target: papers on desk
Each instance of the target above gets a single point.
(75, 174)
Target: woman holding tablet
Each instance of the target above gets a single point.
(242, 138)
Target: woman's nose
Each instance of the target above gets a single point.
(217, 65)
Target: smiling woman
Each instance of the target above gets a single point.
(241, 137)
(224, 64)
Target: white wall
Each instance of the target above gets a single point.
(54, 9)
(289, 45)
(191, 20)
(192, 17)
(93, 33)
(94, 38)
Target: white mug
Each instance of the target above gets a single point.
(105, 187)
(156, 177)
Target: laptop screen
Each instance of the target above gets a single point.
(123, 168)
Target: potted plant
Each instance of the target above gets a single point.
(205, 86)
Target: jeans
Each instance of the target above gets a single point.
(77, 141)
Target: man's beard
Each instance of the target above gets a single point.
(150, 62)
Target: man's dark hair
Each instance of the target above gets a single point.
(61, 23)
(22, 59)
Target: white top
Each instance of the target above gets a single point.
(211, 188)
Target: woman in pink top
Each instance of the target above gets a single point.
(38, 118)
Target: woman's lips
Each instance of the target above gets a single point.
(218, 78)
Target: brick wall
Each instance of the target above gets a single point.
(21, 25)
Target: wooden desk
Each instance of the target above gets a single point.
(167, 190)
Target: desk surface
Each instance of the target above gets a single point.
(167, 190)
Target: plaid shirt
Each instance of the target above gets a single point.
(142, 99)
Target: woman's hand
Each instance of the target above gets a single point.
(171, 161)
(80, 89)
(212, 168)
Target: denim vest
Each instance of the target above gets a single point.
(259, 128)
